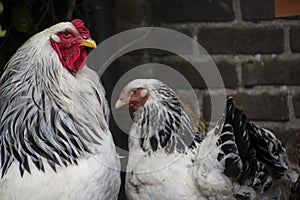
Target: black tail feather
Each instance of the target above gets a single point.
(251, 155)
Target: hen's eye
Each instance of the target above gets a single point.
(134, 92)
(66, 34)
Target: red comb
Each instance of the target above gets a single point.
(79, 25)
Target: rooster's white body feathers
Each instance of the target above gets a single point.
(55, 140)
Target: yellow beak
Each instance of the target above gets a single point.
(120, 103)
(88, 43)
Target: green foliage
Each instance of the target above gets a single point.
(2, 32)
(1, 8)
(22, 20)
(16, 19)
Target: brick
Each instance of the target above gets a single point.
(273, 72)
(169, 11)
(186, 47)
(295, 38)
(242, 40)
(296, 105)
(257, 9)
(184, 68)
(227, 70)
(263, 107)
(229, 73)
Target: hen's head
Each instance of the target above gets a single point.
(156, 107)
(69, 40)
(141, 92)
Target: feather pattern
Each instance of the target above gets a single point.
(251, 158)
(168, 123)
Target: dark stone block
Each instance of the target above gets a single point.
(227, 71)
(274, 72)
(264, 107)
(257, 9)
(295, 38)
(170, 11)
(261, 107)
(242, 40)
(296, 105)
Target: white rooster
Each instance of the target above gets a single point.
(168, 160)
(55, 142)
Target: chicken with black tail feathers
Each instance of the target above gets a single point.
(169, 160)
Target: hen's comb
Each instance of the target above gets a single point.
(79, 25)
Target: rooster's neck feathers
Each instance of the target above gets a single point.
(40, 107)
(163, 124)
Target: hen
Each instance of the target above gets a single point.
(169, 160)
(55, 142)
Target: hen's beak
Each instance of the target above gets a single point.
(120, 103)
(88, 43)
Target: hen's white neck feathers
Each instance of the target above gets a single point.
(162, 123)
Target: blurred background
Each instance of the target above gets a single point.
(257, 54)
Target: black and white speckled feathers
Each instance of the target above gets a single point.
(162, 124)
(251, 156)
(235, 160)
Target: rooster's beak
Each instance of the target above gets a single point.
(120, 103)
(88, 43)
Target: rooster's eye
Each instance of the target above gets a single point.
(66, 34)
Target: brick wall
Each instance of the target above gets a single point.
(258, 56)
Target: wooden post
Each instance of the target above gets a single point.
(287, 8)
